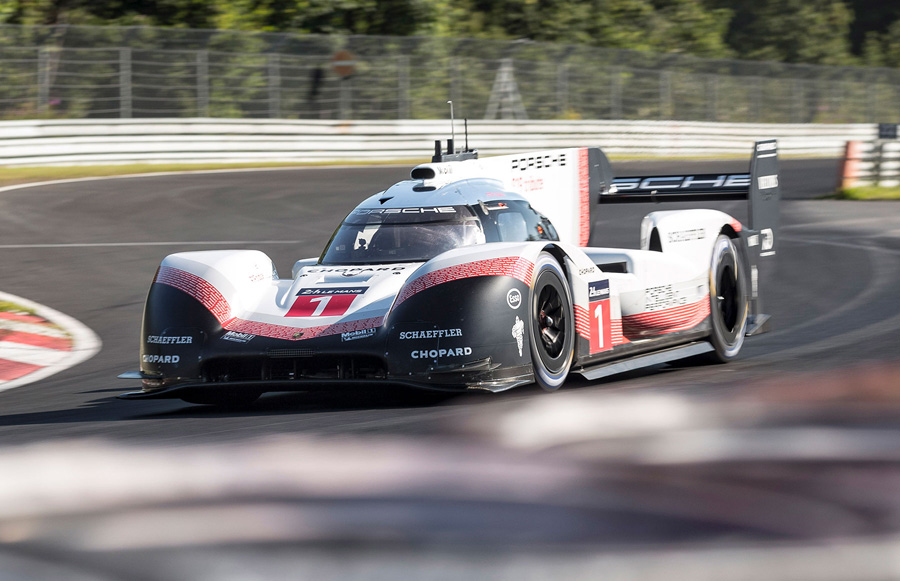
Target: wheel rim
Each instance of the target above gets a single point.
(727, 297)
(551, 321)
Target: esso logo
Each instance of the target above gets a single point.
(514, 298)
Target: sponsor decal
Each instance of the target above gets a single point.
(768, 239)
(681, 182)
(753, 240)
(162, 340)
(332, 291)
(161, 358)
(767, 182)
(324, 301)
(598, 291)
(518, 333)
(360, 334)
(539, 162)
(435, 353)
(687, 235)
(514, 298)
(527, 184)
(767, 146)
(587, 271)
(238, 337)
(661, 297)
(432, 334)
(436, 210)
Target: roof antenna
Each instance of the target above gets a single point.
(466, 121)
(452, 154)
(452, 128)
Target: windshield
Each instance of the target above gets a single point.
(381, 235)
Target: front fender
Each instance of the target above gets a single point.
(465, 311)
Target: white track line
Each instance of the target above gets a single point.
(185, 172)
(21, 353)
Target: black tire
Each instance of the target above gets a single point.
(728, 301)
(223, 399)
(552, 335)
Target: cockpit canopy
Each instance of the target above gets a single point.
(418, 234)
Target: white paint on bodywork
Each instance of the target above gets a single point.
(648, 270)
(550, 181)
(678, 233)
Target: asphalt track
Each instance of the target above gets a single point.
(89, 249)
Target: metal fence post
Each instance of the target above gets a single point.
(455, 93)
(274, 74)
(43, 93)
(755, 105)
(202, 83)
(346, 98)
(796, 89)
(615, 105)
(125, 83)
(712, 97)
(403, 87)
(665, 94)
(871, 101)
(562, 89)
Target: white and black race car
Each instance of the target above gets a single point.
(473, 274)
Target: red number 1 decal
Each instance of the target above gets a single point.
(320, 305)
(601, 339)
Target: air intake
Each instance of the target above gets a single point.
(422, 173)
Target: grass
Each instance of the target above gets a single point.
(869, 193)
(10, 307)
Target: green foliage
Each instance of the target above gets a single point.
(883, 49)
(374, 17)
(793, 31)
(828, 32)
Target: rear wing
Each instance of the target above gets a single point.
(759, 186)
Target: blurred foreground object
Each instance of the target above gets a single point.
(797, 479)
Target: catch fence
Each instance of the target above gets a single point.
(141, 72)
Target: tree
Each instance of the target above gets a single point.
(794, 31)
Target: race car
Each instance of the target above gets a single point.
(472, 274)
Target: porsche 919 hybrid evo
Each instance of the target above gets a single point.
(472, 274)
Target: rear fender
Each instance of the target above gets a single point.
(690, 234)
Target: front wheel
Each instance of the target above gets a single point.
(728, 302)
(552, 324)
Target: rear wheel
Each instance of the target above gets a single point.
(552, 324)
(728, 301)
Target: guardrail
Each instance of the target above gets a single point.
(92, 142)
